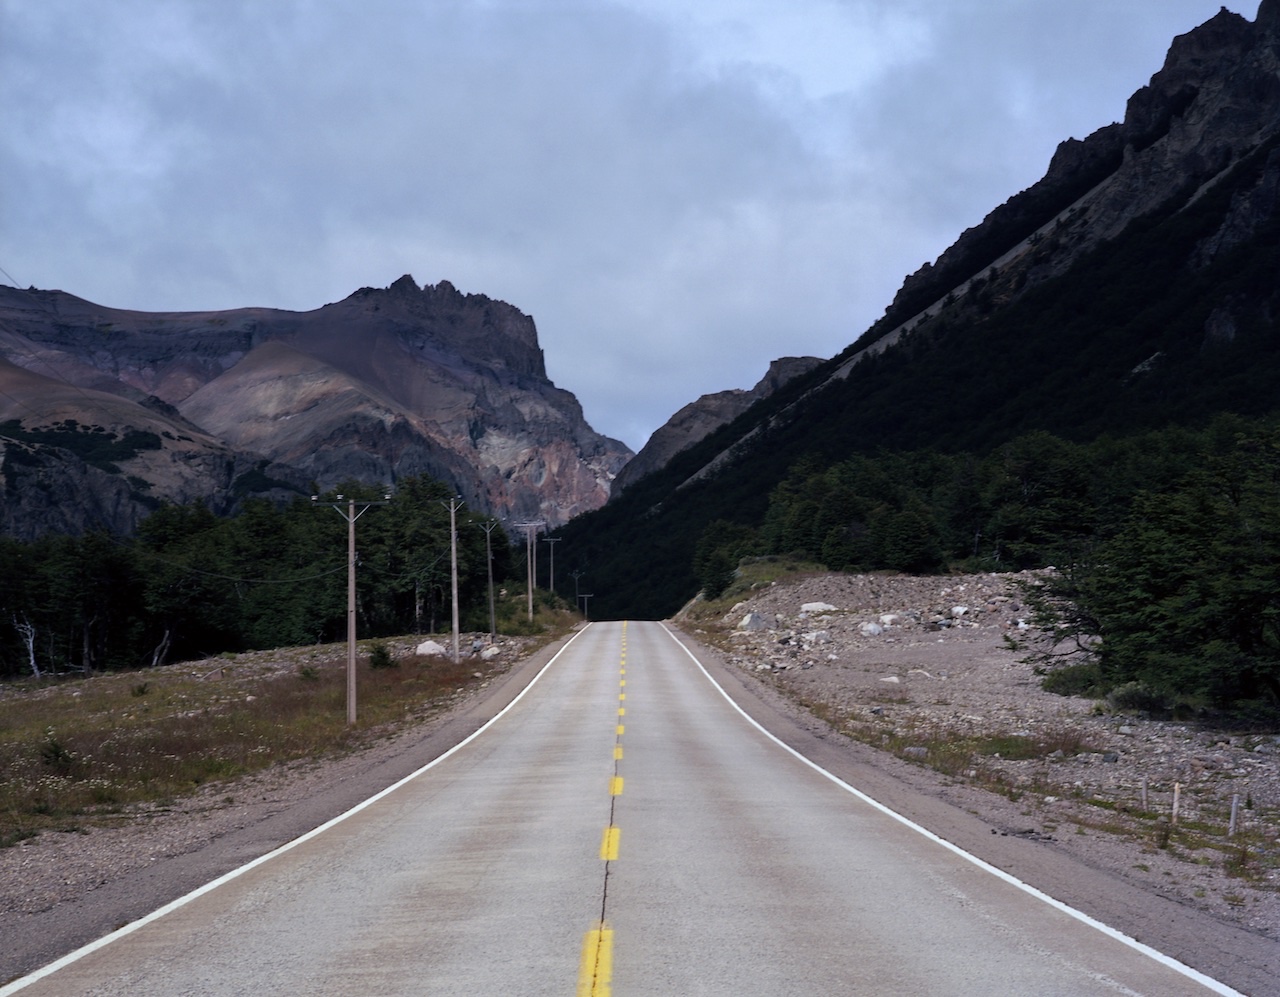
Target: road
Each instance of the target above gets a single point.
(621, 828)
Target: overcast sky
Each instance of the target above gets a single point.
(678, 192)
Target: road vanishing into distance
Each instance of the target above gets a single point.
(621, 828)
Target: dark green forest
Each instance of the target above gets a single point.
(1166, 543)
(1026, 424)
(191, 584)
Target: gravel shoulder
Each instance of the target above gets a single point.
(1032, 818)
(891, 681)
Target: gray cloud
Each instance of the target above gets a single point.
(677, 194)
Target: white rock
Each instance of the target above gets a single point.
(888, 619)
(430, 647)
(871, 629)
(958, 611)
(817, 607)
(891, 679)
(753, 621)
(490, 652)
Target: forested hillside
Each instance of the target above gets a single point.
(190, 584)
(1096, 392)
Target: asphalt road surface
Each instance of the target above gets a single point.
(621, 828)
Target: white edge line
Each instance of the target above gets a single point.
(25, 981)
(1194, 974)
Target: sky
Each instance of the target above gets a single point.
(677, 192)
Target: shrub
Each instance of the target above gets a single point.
(1134, 697)
(1081, 679)
(380, 656)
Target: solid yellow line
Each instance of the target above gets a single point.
(615, 786)
(609, 843)
(595, 968)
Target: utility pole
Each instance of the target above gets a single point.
(488, 549)
(351, 515)
(453, 505)
(530, 558)
(586, 603)
(551, 545)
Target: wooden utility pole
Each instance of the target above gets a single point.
(350, 514)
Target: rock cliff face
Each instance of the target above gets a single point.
(384, 384)
(1213, 105)
(702, 417)
(1132, 289)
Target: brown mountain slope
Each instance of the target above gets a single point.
(74, 459)
(384, 384)
(702, 417)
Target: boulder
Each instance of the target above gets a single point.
(430, 648)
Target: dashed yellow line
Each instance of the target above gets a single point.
(595, 968)
(609, 843)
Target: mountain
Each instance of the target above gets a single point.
(704, 416)
(382, 385)
(1134, 287)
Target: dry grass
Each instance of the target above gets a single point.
(81, 752)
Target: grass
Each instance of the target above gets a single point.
(753, 574)
(80, 753)
(1251, 855)
(956, 754)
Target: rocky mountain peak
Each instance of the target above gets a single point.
(1214, 102)
(480, 329)
(702, 417)
(384, 384)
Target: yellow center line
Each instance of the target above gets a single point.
(595, 969)
(621, 730)
(622, 711)
(617, 752)
(615, 786)
(609, 843)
